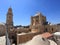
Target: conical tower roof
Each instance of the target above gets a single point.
(9, 11)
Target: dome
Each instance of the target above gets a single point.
(22, 33)
(1, 23)
(37, 13)
(38, 40)
(52, 42)
(56, 33)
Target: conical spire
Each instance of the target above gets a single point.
(38, 13)
(9, 11)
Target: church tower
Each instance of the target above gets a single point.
(37, 23)
(9, 19)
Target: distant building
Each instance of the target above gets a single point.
(40, 24)
(2, 29)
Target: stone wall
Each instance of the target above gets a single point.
(2, 30)
(24, 38)
(58, 28)
(50, 28)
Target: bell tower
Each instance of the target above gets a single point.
(37, 23)
(9, 19)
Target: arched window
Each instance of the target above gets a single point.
(37, 21)
(52, 29)
(46, 30)
(30, 30)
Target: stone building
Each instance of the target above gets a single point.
(2, 29)
(9, 24)
(40, 24)
(9, 19)
(37, 23)
(58, 27)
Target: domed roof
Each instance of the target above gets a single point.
(38, 13)
(56, 33)
(52, 42)
(10, 9)
(38, 40)
(1, 23)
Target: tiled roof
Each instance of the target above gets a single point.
(46, 35)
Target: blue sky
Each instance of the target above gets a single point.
(24, 9)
